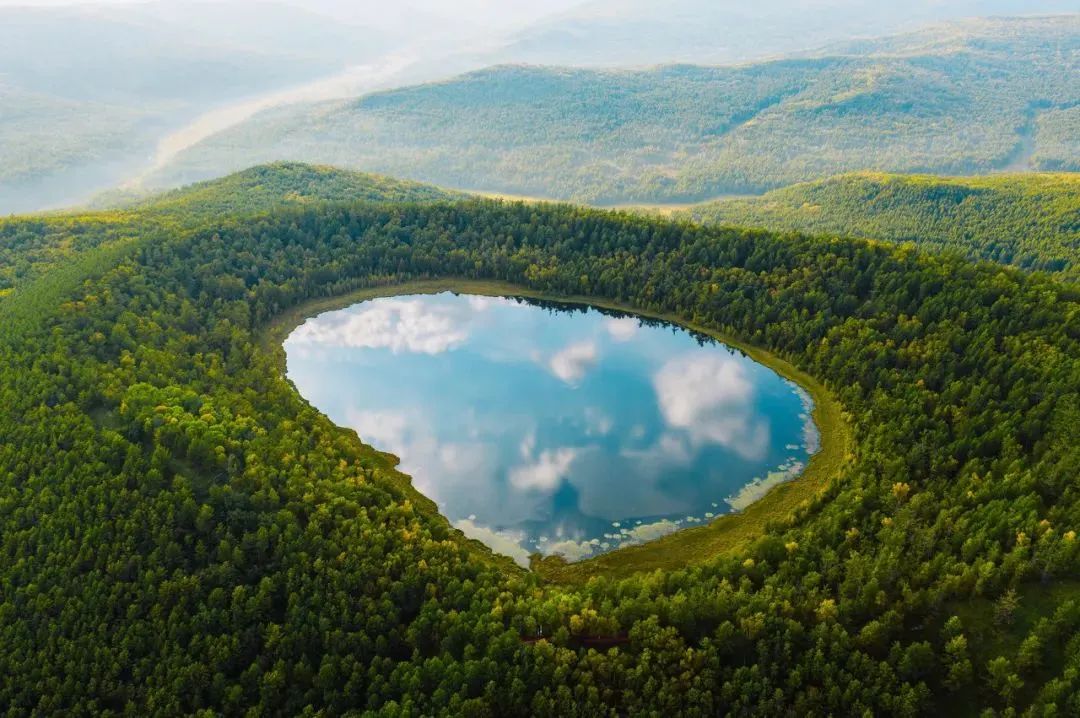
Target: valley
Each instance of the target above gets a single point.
(254, 268)
(594, 358)
(945, 101)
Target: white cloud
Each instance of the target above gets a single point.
(710, 396)
(508, 543)
(528, 445)
(622, 329)
(571, 550)
(448, 472)
(400, 325)
(546, 473)
(577, 550)
(385, 430)
(811, 436)
(572, 363)
(650, 532)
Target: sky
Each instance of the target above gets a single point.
(476, 25)
(488, 12)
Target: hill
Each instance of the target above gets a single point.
(967, 98)
(265, 187)
(181, 533)
(1031, 220)
(31, 246)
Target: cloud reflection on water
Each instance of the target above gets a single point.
(395, 324)
(710, 396)
(574, 361)
(662, 434)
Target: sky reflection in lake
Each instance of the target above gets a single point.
(553, 429)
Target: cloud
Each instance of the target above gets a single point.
(527, 445)
(479, 303)
(571, 550)
(649, 532)
(400, 325)
(546, 473)
(572, 363)
(597, 423)
(669, 450)
(811, 436)
(385, 430)
(508, 543)
(577, 550)
(622, 329)
(710, 397)
(457, 475)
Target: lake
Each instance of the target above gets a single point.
(554, 429)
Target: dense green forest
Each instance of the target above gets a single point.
(30, 246)
(1028, 220)
(1055, 140)
(260, 188)
(963, 98)
(180, 532)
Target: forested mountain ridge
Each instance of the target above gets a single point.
(1029, 220)
(181, 532)
(971, 98)
(30, 246)
(269, 186)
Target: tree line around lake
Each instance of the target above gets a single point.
(180, 532)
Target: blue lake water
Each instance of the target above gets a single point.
(541, 428)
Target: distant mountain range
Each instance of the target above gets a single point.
(96, 95)
(968, 97)
(643, 32)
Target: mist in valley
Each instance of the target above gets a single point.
(102, 94)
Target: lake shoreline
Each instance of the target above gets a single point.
(725, 534)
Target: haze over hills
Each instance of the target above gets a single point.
(643, 32)
(150, 77)
(968, 97)
(107, 92)
(1028, 220)
(86, 91)
(94, 92)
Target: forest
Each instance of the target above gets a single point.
(180, 532)
(965, 98)
(1027, 220)
(31, 246)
